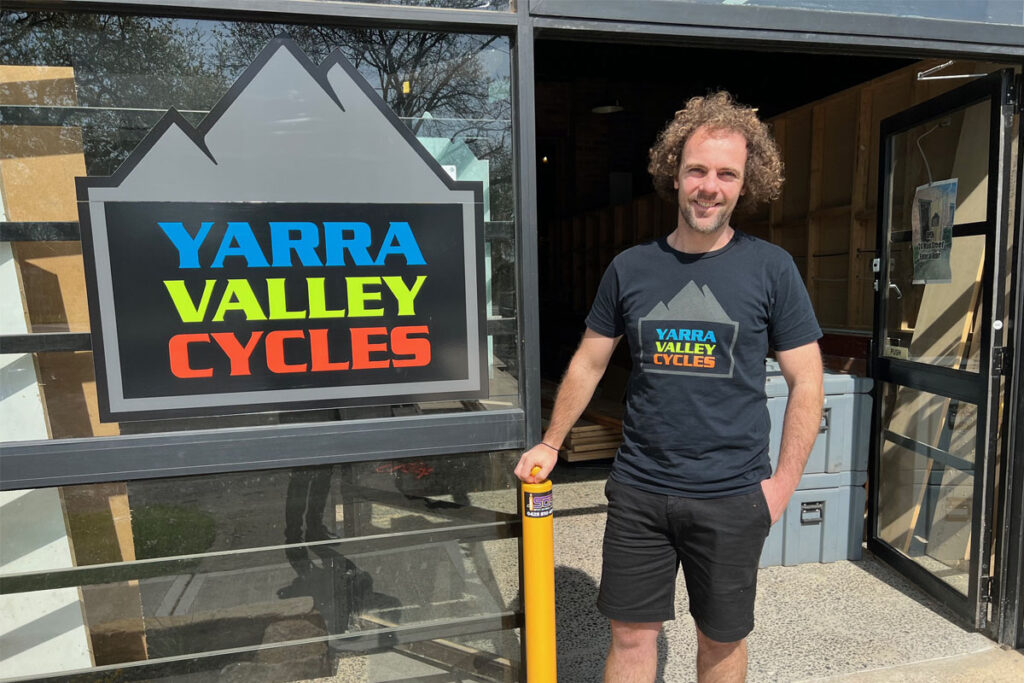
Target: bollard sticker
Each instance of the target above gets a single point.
(537, 504)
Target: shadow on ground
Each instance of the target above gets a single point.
(583, 632)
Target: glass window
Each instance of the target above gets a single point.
(989, 12)
(938, 182)
(926, 482)
(493, 5)
(78, 92)
(124, 573)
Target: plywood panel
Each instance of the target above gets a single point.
(797, 157)
(644, 216)
(830, 148)
(53, 277)
(38, 166)
(839, 121)
(834, 232)
(37, 85)
(830, 293)
(860, 289)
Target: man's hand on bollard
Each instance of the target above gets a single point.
(542, 456)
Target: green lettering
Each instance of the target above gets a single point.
(403, 294)
(278, 302)
(318, 300)
(187, 310)
(358, 296)
(239, 297)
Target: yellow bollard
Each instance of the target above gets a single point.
(539, 581)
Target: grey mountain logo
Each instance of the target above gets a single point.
(690, 335)
(692, 303)
(298, 248)
(287, 130)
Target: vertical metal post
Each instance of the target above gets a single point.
(525, 135)
(539, 582)
(525, 145)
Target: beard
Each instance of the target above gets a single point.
(705, 226)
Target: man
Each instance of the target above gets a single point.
(692, 485)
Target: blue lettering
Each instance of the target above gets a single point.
(283, 244)
(336, 244)
(239, 241)
(400, 240)
(187, 246)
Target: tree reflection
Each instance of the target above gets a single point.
(128, 70)
(440, 84)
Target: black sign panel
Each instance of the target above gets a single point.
(221, 298)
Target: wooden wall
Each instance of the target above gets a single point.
(826, 216)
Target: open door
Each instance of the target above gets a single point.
(937, 357)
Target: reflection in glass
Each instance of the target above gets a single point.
(494, 5)
(926, 483)
(1007, 12)
(192, 565)
(933, 321)
(80, 91)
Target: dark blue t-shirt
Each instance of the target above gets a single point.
(699, 328)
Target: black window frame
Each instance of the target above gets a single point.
(65, 462)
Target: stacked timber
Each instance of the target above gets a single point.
(591, 441)
(596, 435)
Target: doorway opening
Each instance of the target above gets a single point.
(599, 108)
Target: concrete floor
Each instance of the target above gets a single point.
(841, 621)
(857, 621)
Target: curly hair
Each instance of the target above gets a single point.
(718, 112)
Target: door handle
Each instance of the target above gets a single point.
(899, 294)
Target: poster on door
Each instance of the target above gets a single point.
(931, 223)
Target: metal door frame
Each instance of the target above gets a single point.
(983, 388)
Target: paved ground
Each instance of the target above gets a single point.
(817, 622)
(841, 621)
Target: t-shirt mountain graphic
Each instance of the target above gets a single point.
(691, 335)
(691, 303)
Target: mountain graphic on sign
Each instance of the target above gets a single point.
(287, 130)
(691, 303)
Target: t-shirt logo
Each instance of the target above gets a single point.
(691, 335)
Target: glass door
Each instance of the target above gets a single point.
(939, 330)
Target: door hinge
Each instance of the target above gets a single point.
(1014, 91)
(1002, 360)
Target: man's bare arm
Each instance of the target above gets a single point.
(803, 372)
(574, 393)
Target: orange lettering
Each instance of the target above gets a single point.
(417, 347)
(238, 354)
(177, 348)
(321, 353)
(275, 351)
(362, 348)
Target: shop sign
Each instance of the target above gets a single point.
(299, 248)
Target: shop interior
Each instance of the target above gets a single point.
(599, 108)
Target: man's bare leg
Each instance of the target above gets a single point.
(720, 662)
(633, 656)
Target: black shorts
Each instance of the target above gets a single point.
(717, 541)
